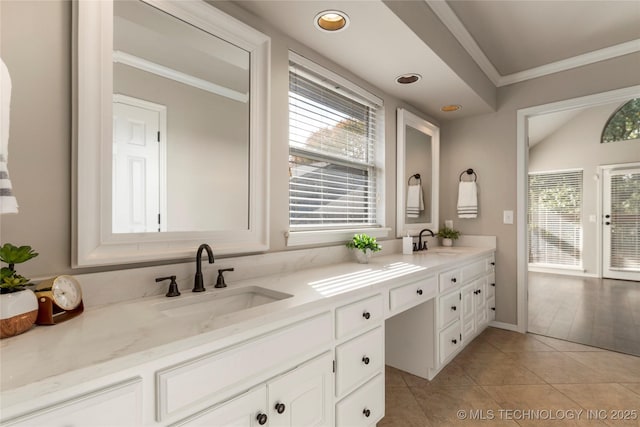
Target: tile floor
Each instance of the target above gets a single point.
(512, 379)
(598, 312)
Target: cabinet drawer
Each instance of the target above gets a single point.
(206, 379)
(491, 285)
(116, 405)
(413, 294)
(491, 309)
(449, 308)
(358, 315)
(450, 341)
(364, 407)
(449, 280)
(240, 411)
(473, 270)
(358, 360)
(491, 263)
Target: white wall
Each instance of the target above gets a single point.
(577, 145)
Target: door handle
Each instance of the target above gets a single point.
(607, 216)
(607, 223)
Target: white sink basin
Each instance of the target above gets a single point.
(219, 302)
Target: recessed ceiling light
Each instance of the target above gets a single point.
(406, 79)
(450, 108)
(331, 20)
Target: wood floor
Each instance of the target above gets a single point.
(597, 312)
(512, 379)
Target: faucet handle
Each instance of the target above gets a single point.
(173, 286)
(220, 281)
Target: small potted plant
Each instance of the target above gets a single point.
(18, 305)
(448, 235)
(364, 246)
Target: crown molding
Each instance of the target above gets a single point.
(459, 31)
(573, 62)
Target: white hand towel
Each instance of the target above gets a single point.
(467, 200)
(8, 202)
(415, 203)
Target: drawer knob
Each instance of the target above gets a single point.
(479, 291)
(366, 315)
(419, 291)
(366, 412)
(365, 360)
(455, 341)
(262, 419)
(493, 308)
(493, 284)
(493, 263)
(454, 308)
(454, 280)
(280, 408)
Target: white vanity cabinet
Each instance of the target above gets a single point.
(202, 382)
(359, 367)
(466, 305)
(118, 404)
(301, 397)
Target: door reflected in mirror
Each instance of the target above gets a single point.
(180, 125)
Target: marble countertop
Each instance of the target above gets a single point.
(106, 339)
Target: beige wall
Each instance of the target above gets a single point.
(577, 145)
(36, 46)
(487, 143)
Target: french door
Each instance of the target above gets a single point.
(621, 222)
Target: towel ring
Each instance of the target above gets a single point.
(417, 177)
(469, 172)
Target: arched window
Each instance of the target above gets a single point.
(624, 124)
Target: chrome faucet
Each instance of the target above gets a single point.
(422, 246)
(198, 286)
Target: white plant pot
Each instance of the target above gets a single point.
(447, 242)
(18, 312)
(363, 257)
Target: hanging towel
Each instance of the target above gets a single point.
(8, 202)
(415, 204)
(467, 200)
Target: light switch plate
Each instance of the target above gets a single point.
(507, 217)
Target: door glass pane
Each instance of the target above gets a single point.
(625, 221)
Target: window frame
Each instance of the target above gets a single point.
(558, 266)
(296, 236)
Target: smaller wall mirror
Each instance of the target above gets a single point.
(418, 155)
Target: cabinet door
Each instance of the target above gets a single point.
(303, 397)
(116, 405)
(468, 314)
(246, 410)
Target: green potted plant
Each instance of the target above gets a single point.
(448, 235)
(18, 305)
(364, 246)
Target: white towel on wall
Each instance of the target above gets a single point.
(415, 203)
(8, 203)
(467, 199)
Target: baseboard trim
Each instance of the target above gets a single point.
(507, 326)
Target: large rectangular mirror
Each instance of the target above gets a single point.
(171, 132)
(418, 159)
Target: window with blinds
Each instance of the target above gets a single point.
(332, 159)
(555, 218)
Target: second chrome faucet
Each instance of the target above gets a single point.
(198, 285)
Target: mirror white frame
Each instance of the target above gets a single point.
(94, 243)
(406, 118)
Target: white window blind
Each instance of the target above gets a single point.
(625, 221)
(555, 218)
(332, 159)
